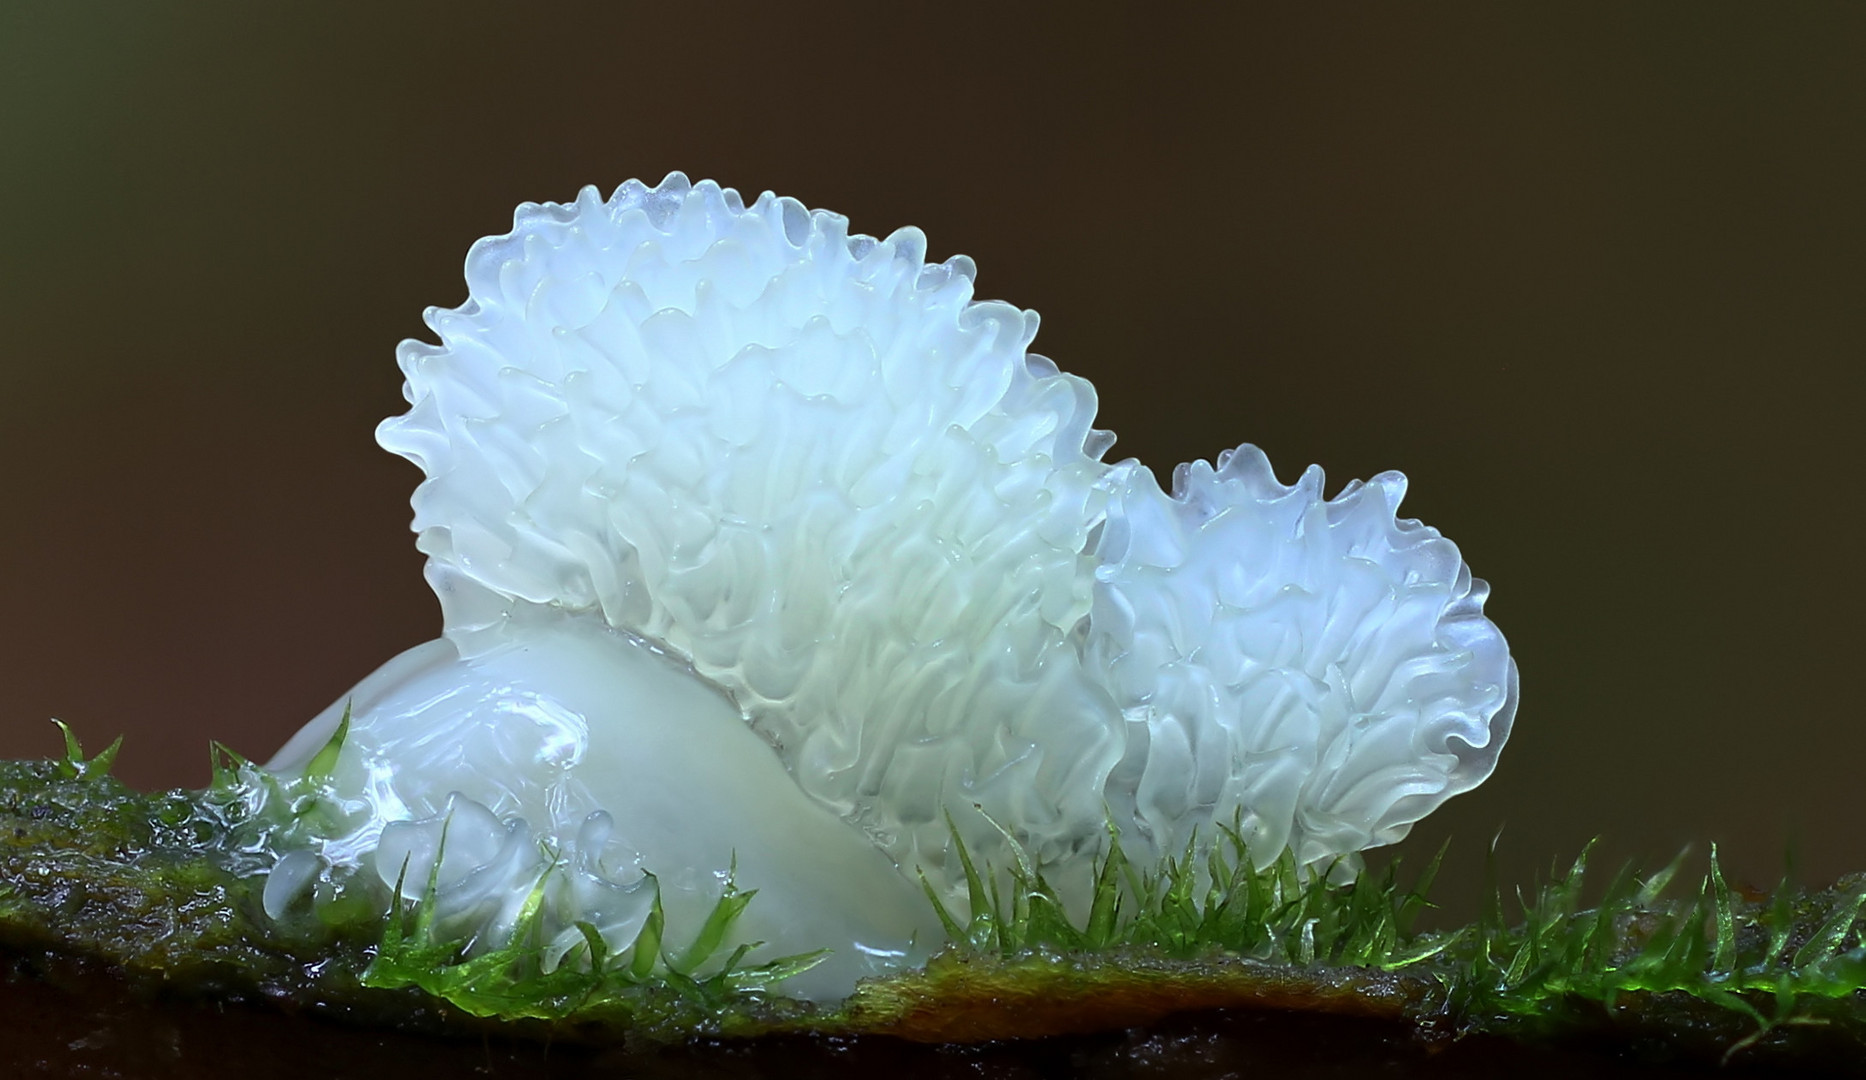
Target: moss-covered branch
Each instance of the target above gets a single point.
(166, 888)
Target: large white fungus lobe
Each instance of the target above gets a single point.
(760, 541)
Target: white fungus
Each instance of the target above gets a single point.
(758, 540)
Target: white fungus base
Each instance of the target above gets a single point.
(880, 532)
(557, 748)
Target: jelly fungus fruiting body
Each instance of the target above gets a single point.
(757, 538)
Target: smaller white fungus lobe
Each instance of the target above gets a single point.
(1320, 665)
(757, 539)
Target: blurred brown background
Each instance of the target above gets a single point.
(1591, 274)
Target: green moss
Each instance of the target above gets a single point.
(166, 887)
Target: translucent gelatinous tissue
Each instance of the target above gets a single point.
(754, 537)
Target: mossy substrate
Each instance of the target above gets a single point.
(129, 920)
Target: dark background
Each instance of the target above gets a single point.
(1591, 275)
